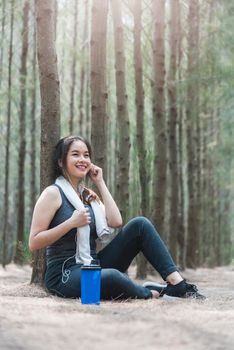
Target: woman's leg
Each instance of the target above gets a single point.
(114, 284)
(64, 281)
(138, 235)
(117, 285)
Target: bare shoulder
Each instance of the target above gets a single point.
(52, 191)
(51, 194)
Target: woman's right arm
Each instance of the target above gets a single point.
(44, 211)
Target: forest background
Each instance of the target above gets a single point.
(150, 83)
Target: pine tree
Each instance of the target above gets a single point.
(22, 139)
(122, 112)
(160, 132)
(98, 83)
(8, 137)
(50, 106)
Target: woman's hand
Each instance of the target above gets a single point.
(112, 212)
(80, 218)
(95, 174)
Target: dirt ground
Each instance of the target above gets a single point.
(31, 319)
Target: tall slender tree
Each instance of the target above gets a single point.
(198, 137)
(160, 158)
(22, 139)
(139, 101)
(2, 36)
(50, 106)
(181, 151)
(122, 112)
(73, 67)
(8, 136)
(173, 119)
(191, 117)
(140, 136)
(84, 72)
(99, 93)
(33, 151)
(210, 205)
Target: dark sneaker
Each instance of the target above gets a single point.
(160, 288)
(182, 290)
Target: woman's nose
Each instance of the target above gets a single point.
(81, 158)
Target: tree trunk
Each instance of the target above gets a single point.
(88, 112)
(50, 106)
(73, 68)
(160, 155)
(181, 213)
(84, 68)
(198, 140)
(204, 218)
(139, 101)
(33, 151)
(173, 120)
(55, 18)
(98, 83)
(141, 148)
(122, 113)
(192, 115)
(205, 215)
(2, 38)
(8, 138)
(22, 139)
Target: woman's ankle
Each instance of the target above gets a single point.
(174, 278)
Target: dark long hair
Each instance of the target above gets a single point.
(60, 162)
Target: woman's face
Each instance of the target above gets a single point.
(78, 160)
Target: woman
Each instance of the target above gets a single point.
(67, 220)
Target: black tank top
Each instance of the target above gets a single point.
(66, 245)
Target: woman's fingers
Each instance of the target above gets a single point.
(81, 217)
(87, 215)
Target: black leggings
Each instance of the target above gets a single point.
(138, 235)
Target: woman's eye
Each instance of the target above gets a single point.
(79, 155)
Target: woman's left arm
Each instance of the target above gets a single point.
(113, 216)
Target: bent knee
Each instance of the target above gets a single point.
(110, 274)
(142, 220)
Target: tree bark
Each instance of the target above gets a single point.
(139, 101)
(22, 139)
(73, 68)
(2, 38)
(50, 106)
(8, 137)
(173, 121)
(192, 115)
(122, 112)
(33, 150)
(98, 83)
(84, 69)
(160, 154)
(181, 150)
(140, 136)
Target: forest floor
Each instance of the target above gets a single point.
(32, 319)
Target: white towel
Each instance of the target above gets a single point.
(83, 233)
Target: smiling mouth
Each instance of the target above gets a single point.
(81, 167)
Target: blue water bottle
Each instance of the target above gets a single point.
(90, 284)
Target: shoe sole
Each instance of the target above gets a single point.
(153, 284)
(171, 298)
